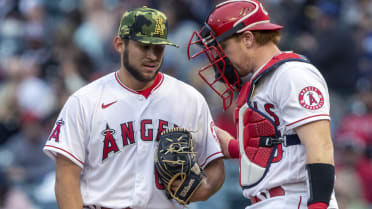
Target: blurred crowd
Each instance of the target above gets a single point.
(50, 48)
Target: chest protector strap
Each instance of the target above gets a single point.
(258, 136)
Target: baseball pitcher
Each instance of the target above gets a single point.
(105, 137)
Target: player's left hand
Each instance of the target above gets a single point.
(175, 185)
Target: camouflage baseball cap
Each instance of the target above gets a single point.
(145, 25)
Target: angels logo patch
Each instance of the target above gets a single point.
(56, 131)
(213, 131)
(311, 98)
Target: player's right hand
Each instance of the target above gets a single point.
(224, 137)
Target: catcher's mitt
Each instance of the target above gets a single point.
(176, 160)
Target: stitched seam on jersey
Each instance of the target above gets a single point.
(307, 118)
(122, 85)
(209, 157)
(65, 152)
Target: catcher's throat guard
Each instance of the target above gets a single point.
(175, 159)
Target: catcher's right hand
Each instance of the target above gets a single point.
(175, 160)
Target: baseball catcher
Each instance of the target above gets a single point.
(176, 160)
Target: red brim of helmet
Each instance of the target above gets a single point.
(266, 26)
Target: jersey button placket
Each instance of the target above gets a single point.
(140, 183)
(140, 97)
(137, 186)
(141, 149)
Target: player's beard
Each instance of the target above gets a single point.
(135, 72)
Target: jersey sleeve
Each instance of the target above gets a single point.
(206, 143)
(69, 133)
(302, 95)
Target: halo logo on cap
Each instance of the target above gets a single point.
(159, 27)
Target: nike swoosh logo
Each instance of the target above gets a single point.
(107, 105)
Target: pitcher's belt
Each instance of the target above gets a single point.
(98, 207)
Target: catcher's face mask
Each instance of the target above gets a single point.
(228, 18)
(219, 68)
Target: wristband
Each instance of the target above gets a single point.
(321, 179)
(233, 148)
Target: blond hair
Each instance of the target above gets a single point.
(265, 36)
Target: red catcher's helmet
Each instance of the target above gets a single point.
(228, 18)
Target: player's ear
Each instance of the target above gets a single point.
(118, 44)
(247, 38)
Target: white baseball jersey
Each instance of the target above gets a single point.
(291, 95)
(110, 131)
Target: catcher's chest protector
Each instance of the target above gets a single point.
(258, 135)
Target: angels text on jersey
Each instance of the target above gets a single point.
(115, 140)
